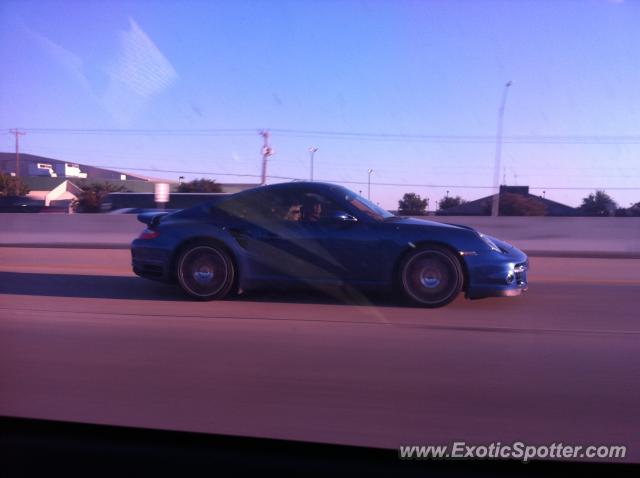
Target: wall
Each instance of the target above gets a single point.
(539, 235)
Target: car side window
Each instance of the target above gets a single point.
(314, 206)
(256, 206)
(269, 206)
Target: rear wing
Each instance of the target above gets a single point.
(151, 219)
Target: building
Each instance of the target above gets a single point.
(56, 183)
(32, 165)
(54, 170)
(482, 206)
(61, 195)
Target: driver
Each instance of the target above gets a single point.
(312, 209)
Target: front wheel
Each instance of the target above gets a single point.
(431, 276)
(205, 272)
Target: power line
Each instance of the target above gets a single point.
(208, 173)
(361, 136)
(351, 135)
(146, 132)
(481, 187)
(413, 185)
(300, 161)
(583, 139)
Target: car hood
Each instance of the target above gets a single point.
(412, 221)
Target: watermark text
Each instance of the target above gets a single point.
(511, 451)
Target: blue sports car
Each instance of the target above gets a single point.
(317, 234)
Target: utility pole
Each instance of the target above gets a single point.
(312, 152)
(495, 206)
(267, 151)
(17, 133)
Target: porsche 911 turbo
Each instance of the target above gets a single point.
(319, 234)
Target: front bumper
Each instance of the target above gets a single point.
(497, 274)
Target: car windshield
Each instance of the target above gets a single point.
(366, 206)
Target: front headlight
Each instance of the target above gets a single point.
(489, 242)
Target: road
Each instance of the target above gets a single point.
(82, 339)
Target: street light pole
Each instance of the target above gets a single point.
(495, 206)
(267, 151)
(369, 185)
(312, 152)
(17, 133)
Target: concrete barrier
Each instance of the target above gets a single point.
(580, 236)
(69, 230)
(590, 236)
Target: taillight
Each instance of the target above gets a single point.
(149, 234)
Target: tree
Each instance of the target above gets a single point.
(201, 185)
(519, 205)
(622, 212)
(92, 196)
(598, 204)
(448, 202)
(8, 185)
(631, 211)
(412, 204)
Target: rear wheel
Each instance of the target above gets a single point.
(205, 272)
(431, 276)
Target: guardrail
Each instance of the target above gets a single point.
(590, 236)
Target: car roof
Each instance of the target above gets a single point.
(314, 186)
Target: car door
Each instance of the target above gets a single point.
(253, 220)
(329, 248)
(345, 250)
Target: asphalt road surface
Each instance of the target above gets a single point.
(82, 339)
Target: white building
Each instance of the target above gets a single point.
(55, 170)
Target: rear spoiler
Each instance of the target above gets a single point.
(151, 219)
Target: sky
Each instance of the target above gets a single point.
(410, 89)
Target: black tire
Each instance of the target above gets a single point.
(205, 272)
(431, 276)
